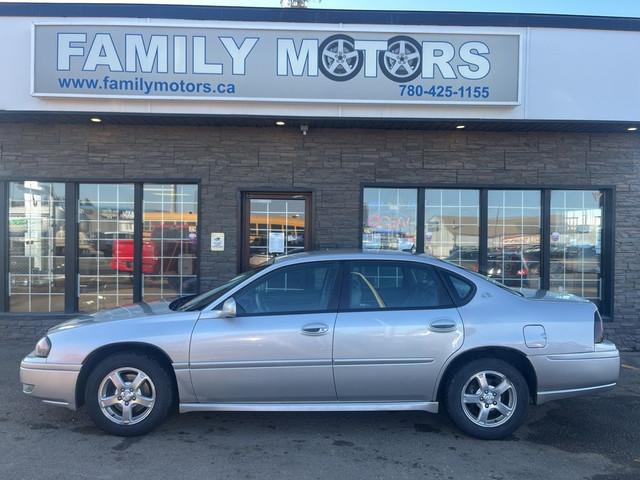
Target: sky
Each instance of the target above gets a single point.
(614, 8)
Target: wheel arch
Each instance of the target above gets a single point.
(103, 352)
(512, 356)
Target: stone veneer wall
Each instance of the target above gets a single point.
(332, 163)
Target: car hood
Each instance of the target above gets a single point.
(124, 312)
(533, 294)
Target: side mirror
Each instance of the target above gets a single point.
(228, 311)
(229, 308)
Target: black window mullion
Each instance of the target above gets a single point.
(419, 246)
(137, 242)
(71, 280)
(545, 240)
(4, 246)
(483, 231)
(607, 257)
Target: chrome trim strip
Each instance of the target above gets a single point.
(381, 361)
(180, 366)
(431, 407)
(544, 397)
(595, 355)
(63, 367)
(59, 404)
(262, 364)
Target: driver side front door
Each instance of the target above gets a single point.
(279, 346)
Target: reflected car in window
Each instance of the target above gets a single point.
(333, 331)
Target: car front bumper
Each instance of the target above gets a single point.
(51, 383)
(575, 374)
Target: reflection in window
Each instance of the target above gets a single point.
(170, 223)
(390, 285)
(105, 245)
(36, 246)
(276, 227)
(576, 240)
(390, 218)
(513, 228)
(305, 288)
(452, 226)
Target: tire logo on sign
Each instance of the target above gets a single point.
(340, 61)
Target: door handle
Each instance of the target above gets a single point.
(315, 329)
(443, 325)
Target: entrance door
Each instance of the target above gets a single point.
(274, 224)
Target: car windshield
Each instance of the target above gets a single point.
(201, 301)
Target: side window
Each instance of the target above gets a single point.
(302, 288)
(462, 288)
(395, 285)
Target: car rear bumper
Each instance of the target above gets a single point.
(51, 383)
(575, 374)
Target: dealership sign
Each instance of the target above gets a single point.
(166, 62)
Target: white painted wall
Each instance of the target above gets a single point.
(567, 74)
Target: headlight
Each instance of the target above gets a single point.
(43, 347)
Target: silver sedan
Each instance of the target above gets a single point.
(338, 331)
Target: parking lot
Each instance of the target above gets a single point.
(594, 438)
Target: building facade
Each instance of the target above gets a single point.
(498, 142)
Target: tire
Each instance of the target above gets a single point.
(487, 398)
(145, 395)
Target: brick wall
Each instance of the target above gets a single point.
(332, 163)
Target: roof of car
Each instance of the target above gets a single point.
(348, 254)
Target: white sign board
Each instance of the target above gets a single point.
(164, 62)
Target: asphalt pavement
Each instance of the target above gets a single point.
(586, 438)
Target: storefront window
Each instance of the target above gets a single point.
(277, 227)
(513, 229)
(576, 240)
(36, 259)
(90, 262)
(452, 226)
(105, 245)
(390, 218)
(170, 223)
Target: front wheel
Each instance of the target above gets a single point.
(487, 398)
(128, 394)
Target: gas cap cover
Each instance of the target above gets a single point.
(535, 336)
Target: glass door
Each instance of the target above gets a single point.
(274, 224)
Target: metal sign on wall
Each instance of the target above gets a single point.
(167, 62)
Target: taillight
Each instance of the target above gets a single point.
(598, 328)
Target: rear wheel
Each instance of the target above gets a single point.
(128, 394)
(487, 398)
